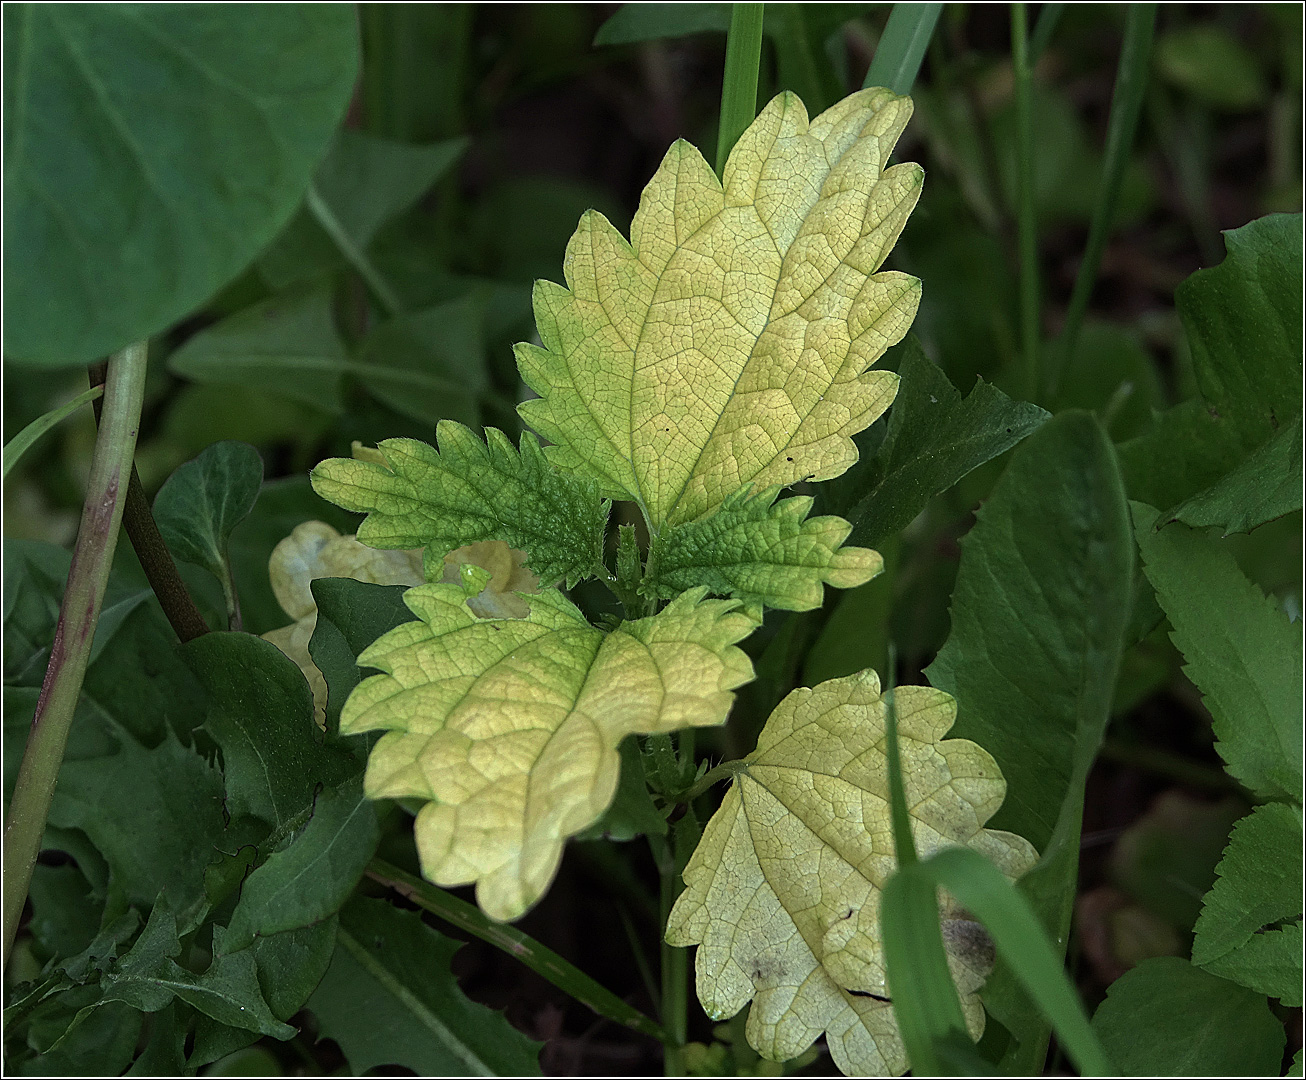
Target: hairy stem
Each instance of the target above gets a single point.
(88, 576)
(739, 86)
(155, 558)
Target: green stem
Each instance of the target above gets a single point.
(16, 447)
(543, 961)
(675, 972)
(1029, 301)
(358, 259)
(902, 47)
(710, 778)
(88, 576)
(1126, 106)
(1046, 26)
(739, 86)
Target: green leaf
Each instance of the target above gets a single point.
(16, 447)
(150, 153)
(633, 812)
(100, 1046)
(1267, 485)
(261, 715)
(65, 916)
(287, 345)
(1168, 1018)
(511, 726)
(389, 999)
(727, 343)
(782, 895)
(307, 881)
(164, 1053)
(760, 551)
(155, 815)
(1208, 62)
(205, 499)
(648, 22)
(1039, 615)
(934, 438)
(1259, 885)
(429, 365)
(1240, 649)
(471, 490)
(366, 181)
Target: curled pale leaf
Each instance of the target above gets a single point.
(510, 727)
(316, 550)
(761, 551)
(470, 490)
(496, 598)
(783, 893)
(728, 342)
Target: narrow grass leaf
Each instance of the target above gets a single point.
(902, 46)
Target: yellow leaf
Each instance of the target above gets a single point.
(783, 893)
(728, 342)
(497, 598)
(510, 727)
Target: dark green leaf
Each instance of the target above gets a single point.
(150, 153)
(287, 345)
(1168, 1018)
(646, 22)
(1242, 652)
(933, 440)
(307, 881)
(1112, 375)
(205, 499)
(1207, 61)
(1267, 485)
(632, 812)
(102, 1045)
(366, 181)
(1039, 615)
(65, 916)
(292, 963)
(164, 1053)
(389, 999)
(261, 714)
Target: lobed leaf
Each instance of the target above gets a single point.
(469, 490)
(783, 893)
(760, 551)
(510, 727)
(728, 341)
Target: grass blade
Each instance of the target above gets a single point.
(16, 447)
(1046, 26)
(1029, 299)
(739, 86)
(902, 46)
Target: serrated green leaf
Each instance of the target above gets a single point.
(389, 999)
(760, 551)
(470, 490)
(205, 499)
(150, 154)
(1168, 1018)
(291, 964)
(933, 440)
(308, 881)
(1240, 649)
(511, 726)
(1267, 485)
(1259, 884)
(783, 893)
(727, 343)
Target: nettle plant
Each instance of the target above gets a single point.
(722, 354)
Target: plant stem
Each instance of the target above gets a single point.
(675, 971)
(358, 259)
(88, 576)
(1029, 301)
(543, 961)
(155, 558)
(1126, 106)
(739, 86)
(902, 47)
(712, 777)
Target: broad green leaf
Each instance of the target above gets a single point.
(727, 343)
(260, 714)
(150, 152)
(389, 998)
(1259, 885)
(1168, 1018)
(934, 438)
(308, 880)
(65, 916)
(291, 964)
(205, 499)
(1039, 615)
(760, 551)
(1241, 652)
(288, 345)
(366, 181)
(470, 490)
(1267, 485)
(315, 550)
(783, 893)
(510, 727)
(164, 1054)
(102, 1045)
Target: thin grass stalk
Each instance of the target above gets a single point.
(1026, 220)
(739, 84)
(1048, 17)
(902, 47)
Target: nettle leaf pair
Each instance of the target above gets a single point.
(717, 357)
